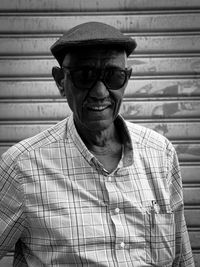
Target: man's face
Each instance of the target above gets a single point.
(95, 108)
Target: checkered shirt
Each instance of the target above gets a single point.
(60, 207)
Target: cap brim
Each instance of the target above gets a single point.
(60, 50)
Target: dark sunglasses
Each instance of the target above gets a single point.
(113, 78)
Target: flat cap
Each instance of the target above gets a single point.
(91, 34)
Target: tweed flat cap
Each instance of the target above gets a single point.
(91, 34)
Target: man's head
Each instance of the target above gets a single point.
(91, 34)
(93, 73)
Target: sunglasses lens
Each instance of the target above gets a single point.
(115, 78)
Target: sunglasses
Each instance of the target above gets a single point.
(113, 78)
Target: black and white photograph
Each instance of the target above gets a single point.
(100, 133)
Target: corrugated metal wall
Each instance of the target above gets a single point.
(163, 94)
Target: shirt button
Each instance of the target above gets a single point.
(122, 245)
(117, 210)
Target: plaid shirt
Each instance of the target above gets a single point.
(62, 208)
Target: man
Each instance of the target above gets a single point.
(94, 190)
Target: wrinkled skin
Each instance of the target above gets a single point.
(82, 102)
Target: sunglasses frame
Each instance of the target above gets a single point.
(101, 73)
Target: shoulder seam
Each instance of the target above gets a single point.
(44, 134)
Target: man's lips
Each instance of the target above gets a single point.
(97, 107)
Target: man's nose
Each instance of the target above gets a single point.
(99, 90)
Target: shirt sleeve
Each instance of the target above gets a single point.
(184, 257)
(12, 218)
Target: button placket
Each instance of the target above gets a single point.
(116, 212)
(109, 178)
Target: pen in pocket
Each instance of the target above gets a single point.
(153, 211)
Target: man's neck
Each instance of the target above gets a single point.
(101, 142)
(105, 145)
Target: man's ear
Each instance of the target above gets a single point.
(58, 76)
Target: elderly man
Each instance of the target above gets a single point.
(93, 190)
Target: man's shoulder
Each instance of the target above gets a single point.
(45, 138)
(147, 137)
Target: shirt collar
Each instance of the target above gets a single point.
(127, 156)
(73, 134)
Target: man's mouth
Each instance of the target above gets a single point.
(97, 108)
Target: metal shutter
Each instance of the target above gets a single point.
(163, 94)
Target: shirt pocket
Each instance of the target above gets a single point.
(159, 235)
